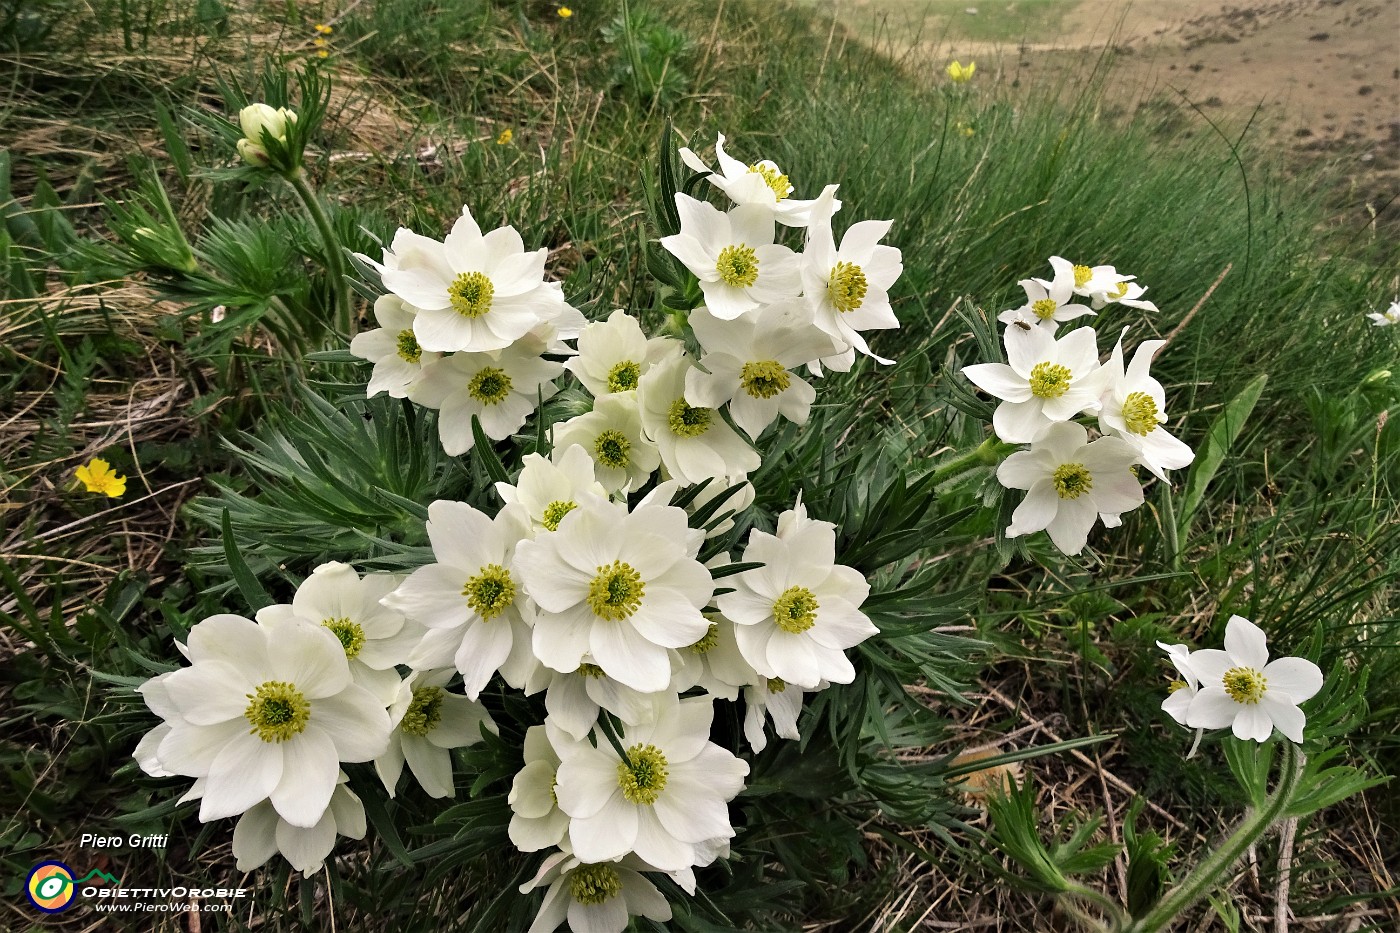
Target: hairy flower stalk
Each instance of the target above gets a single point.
(330, 245)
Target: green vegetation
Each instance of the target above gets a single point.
(211, 389)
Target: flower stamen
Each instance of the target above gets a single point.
(1140, 413)
(1072, 480)
(1244, 685)
(616, 592)
(643, 776)
(764, 378)
(277, 711)
(846, 286)
(351, 635)
(1050, 380)
(796, 610)
(624, 376)
(470, 294)
(612, 449)
(490, 386)
(591, 885)
(490, 592)
(687, 421)
(554, 513)
(737, 266)
(424, 711)
(409, 350)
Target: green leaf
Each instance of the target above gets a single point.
(248, 586)
(487, 454)
(1219, 439)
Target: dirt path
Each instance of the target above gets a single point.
(1324, 73)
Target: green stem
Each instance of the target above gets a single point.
(989, 453)
(335, 259)
(1211, 871)
(1115, 913)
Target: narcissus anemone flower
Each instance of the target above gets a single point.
(847, 286)
(572, 700)
(393, 349)
(429, 722)
(471, 600)
(1091, 281)
(261, 833)
(611, 436)
(695, 442)
(1241, 688)
(474, 292)
(613, 354)
(1048, 303)
(1047, 381)
(733, 255)
(761, 184)
(1387, 317)
(1183, 690)
(617, 586)
(747, 364)
(669, 795)
(594, 898)
(1128, 294)
(267, 712)
(502, 389)
(795, 616)
(548, 488)
(771, 698)
(537, 822)
(1070, 481)
(1133, 407)
(98, 476)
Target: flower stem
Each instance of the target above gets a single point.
(1209, 872)
(989, 453)
(335, 259)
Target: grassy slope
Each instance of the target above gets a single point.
(1291, 511)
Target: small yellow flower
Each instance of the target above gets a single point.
(323, 29)
(322, 53)
(98, 476)
(967, 129)
(505, 137)
(319, 42)
(565, 12)
(959, 74)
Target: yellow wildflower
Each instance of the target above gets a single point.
(319, 42)
(565, 12)
(323, 29)
(959, 74)
(505, 137)
(98, 476)
(322, 53)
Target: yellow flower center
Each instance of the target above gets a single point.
(409, 351)
(590, 670)
(1140, 413)
(776, 685)
(424, 711)
(1244, 685)
(554, 513)
(591, 885)
(708, 640)
(351, 635)
(624, 376)
(773, 179)
(846, 286)
(277, 711)
(1176, 685)
(611, 449)
(1045, 308)
(645, 779)
(1050, 380)
(1119, 292)
(1082, 275)
(490, 386)
(796, 610)
(737, 266)
(764, 378)
(490, 592)
(616, 592)
(471, 293)
(686, 421)
(1072, 480)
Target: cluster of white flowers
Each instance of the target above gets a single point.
(1240, 687)
(1071, 480)
(586, 585)
(1387, 317)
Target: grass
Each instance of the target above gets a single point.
(1298, 529)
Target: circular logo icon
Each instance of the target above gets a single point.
(50, 887)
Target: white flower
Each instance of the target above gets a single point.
(1047, 381)
(847, 287)
(1242, 689)
(1183, 691)
(695, 443)
(471, 599)
(473, 293)
(428, 722)
(258, 118)
(620, 587)
(1092, 281)
(670, 795)
(714, 663)
(1124, 293)
(502, 389)
(375, 637)
(796, 615)
(613, 354)
(773, 698)
(733, 255)
(1070, 482)
(762, 184)
(572, 699)
(594, 898)
(1048, 303)
(611, 437)
(398, 359)
(291, 684)
(1133, 407)
(536, 821)
(261, 833)
(547, 489)
(1387, 317)
(748, 362)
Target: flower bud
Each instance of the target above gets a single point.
(258, 117)
(252, 153)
